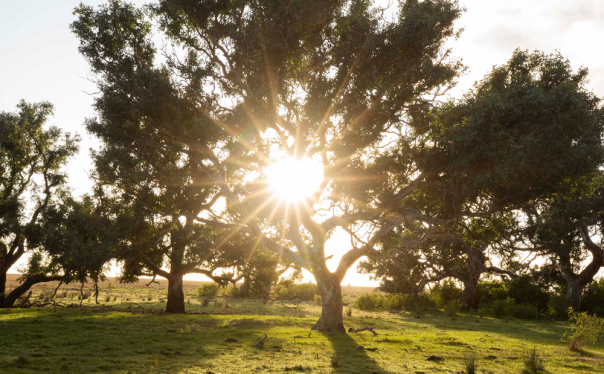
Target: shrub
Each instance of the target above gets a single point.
(585, 329)
(592, 300)
(533, 364)
(445, 293)
(290, 291)
(488, 291)
(205, 302)
(349, 312)
(396, 302)
(231, 291)
(500, 308)
(556, 306)
(208, 290)
(525, 291)
(452, 308)
(369, 301)
(525, 311)
(318, 300)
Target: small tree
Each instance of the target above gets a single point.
(585, 329)
(32, 161)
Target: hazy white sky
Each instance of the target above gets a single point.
(39, 58)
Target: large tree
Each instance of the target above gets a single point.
(32, 175)
(527, 141)
(244, 83)
(465, 255)
(567, 229)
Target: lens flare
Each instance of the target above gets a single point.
(292, 179)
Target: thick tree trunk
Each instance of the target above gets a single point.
(2, 288)
(244, 289)
(331, 319)
(468, 295)
(176, 296)
(574, 293)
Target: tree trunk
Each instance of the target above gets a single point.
(176, 297)
(2, 288)
(468, 295)
(574, 293)
(244, 290)
(8, 300)
(331, 319)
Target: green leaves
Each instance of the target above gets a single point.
(524, 130)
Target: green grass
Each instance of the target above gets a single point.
(93, 339)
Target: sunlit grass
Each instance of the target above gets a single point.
(122, 336)
(96, 339)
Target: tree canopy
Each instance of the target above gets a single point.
(32, 179)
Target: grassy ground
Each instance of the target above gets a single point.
(132, 340)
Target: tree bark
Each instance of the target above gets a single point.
(574, 293)
(9, 300)
(176, 296)
(244, 289)
(577, 282)
(331, 319)
(468, 295)
(2, 287)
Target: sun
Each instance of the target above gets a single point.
(294, 179)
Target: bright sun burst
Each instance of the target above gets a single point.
(292, 179)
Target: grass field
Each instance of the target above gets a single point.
(133, 336)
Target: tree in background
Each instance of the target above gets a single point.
(528, 135)
(32, 161)
(525, 133)
(249, 81)
(261, 272)
(77, 237)
(564, 228)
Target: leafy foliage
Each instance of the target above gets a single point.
(32, 179)
(585, 329)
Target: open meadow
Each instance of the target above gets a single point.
(127, 332)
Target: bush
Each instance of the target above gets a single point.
(369, 301)
(592, 300)
(396, 302)
(290, 291)
(349, 312)
(525, 291)
(525, 311)
(452, 308)
(231, 291)
(557, 306)
(318, 300)
(585, 329)
(205, 302)
(208, 290)
(501, 308)
(488, 291)
(445, 293)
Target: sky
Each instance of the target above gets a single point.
(39, 60)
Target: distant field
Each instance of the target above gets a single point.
(189, 286)
(134, 336)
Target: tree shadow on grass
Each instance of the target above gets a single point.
(531, 331)
(352, 359)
